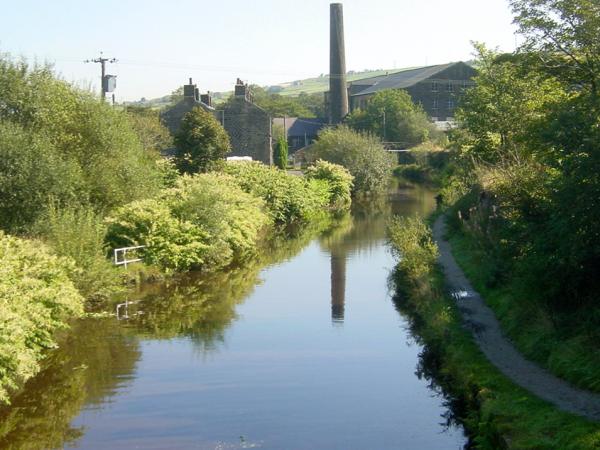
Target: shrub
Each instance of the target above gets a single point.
(36, 299)
(201, 141)
(204, 222)
(78, 232)
(281, 153)
(171, 243)
(338, 179)
(215, 202)
(363, 155)
(288, 198)
(413, 244)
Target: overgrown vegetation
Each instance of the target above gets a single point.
(37, 297)
(204, 222)
(496, 413)
(524, 194)
(361, 154)
(289, 198)
(339, 182)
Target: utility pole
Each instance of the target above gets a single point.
(384, 133)
(102, 62)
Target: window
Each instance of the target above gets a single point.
(465, 84)
(435, 103)
(450, 104)
(450, 87)
(434, 86)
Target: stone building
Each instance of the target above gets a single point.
(248, 126)
(438, 89)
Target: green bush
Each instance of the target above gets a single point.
(363, 155)
(37, 298)
(172, 244)
(339, 181)
(215, 202)
(78, 232)
(412, 243)
(288, 198)
(205, 222)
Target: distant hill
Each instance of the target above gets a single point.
(291, 88)
(321, 83)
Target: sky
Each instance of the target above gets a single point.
(160, 44)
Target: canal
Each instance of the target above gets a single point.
(302, 350)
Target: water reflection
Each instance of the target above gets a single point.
(94, 363)
(364, 230)
(285, 379)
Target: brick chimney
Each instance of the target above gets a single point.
(190, 90)
(338, 92)
(206, 99)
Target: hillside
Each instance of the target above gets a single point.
(290, 88)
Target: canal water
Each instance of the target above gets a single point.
(302, 350)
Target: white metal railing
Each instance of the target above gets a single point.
(123, 261)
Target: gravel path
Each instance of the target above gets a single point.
(480, 319)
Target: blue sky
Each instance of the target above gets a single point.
(160, 44)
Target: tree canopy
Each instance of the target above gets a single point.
(201, 141)
(393, 116)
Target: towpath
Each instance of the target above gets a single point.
(480, 319)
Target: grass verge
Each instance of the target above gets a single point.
(497, 413)
(564, 349)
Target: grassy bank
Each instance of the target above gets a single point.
(567, 351)
(497, 413)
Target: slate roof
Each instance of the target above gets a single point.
(301, 126)
(400, 80)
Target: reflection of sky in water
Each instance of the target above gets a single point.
(315, 357)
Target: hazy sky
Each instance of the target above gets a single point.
(160, 44)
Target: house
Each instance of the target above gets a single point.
(300, 131)
(438, 89)
(248, 125)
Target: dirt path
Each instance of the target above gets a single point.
(480, 319)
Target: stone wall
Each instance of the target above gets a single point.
(249, 129)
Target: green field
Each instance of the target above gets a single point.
(321, 84)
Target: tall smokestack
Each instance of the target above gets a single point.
(338, 93)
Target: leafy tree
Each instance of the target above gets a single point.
(153, 135)
(281, 153)
(564, 34)
(362, 154)
(107, 164)
(201, 142)
(393, 116)
(503, 106)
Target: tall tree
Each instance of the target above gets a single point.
(201, 141)
(565, 34)
(393, 117)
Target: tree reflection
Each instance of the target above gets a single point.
(95, 359)
(203, 306)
